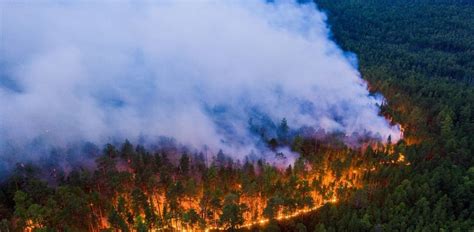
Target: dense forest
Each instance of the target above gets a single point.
(133, 189)
(418, 54)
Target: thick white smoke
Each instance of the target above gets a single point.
(193, 70)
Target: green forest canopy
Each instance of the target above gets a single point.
(418, 54)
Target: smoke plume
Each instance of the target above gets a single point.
(196, 71)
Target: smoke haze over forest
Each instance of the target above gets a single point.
(196, 71)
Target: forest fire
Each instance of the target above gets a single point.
(213, 153)
(262, 222)
(188, 195)
(282, 115)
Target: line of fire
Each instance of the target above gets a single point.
(169, 189)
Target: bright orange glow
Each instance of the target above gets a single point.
(322, 184)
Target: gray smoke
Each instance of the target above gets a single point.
(196, 71)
